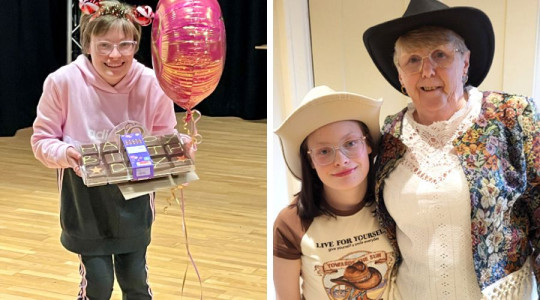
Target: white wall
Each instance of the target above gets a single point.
(341, 60)
(536, 80)
(293, 78)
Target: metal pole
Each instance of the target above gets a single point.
(69, 30)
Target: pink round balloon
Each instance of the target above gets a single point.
(188, 49)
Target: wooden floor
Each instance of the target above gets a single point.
(225, 218)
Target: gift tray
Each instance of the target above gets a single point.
(134, 158)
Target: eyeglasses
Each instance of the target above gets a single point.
(439, 58)
(124, 47)
(325, 155)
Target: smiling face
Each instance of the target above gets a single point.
(115, 65)
(437, 88)
(343, 173)
(113, 25)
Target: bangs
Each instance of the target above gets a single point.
(112, 23)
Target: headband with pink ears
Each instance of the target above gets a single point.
(143, 15)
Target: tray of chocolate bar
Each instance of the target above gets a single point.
(134, 158)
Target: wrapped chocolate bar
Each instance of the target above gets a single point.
(135, 158)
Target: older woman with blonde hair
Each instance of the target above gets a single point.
(458, 174)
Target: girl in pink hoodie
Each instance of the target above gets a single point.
(87, 101)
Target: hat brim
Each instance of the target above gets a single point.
(373, 281)
(470, 23)
(339, 106)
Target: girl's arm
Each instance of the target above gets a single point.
(47, 138)
(287, 278)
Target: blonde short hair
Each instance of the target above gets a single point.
(427, 37)
(111, 15)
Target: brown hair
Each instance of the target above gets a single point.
(427, 37)
(310, 199)
(111, 15)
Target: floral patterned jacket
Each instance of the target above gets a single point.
(500, 155)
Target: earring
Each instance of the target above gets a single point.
(403, 91)
(465, 78)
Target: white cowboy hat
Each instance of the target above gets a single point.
(322, 106)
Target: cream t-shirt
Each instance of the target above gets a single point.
(346, 257)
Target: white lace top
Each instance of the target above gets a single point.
(428, 197)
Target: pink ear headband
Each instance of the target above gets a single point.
(143, 15)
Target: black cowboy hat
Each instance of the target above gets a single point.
(470, 23)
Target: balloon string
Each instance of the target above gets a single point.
(189, 115)
(184, 229)
(190, 126)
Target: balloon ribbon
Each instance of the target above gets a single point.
(184, 228)
(190, 126)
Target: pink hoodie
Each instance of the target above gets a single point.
(78, 107)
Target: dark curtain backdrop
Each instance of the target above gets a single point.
(34, 45)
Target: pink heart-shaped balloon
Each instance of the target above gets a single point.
(188, 49)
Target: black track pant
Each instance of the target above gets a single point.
(98, 272)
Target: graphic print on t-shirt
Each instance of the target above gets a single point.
(358, 275)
